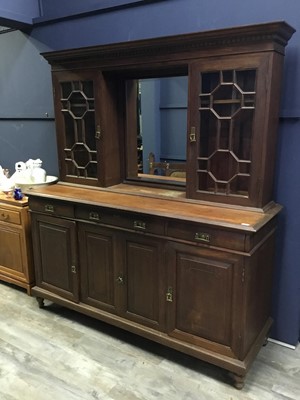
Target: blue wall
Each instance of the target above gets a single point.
(57, 9)
(167, 17)
(16, 13)
(27, 128)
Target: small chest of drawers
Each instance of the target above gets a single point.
(15, 243)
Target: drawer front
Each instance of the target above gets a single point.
(51, 207)
(202, 234)
(13, 217)
(95, 214)
(141, 223)
(132, 221)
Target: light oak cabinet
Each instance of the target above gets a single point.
(186, 261)
(16, 264)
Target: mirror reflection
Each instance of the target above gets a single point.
(161, 131)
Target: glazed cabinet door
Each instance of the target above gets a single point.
(55, 255)
(142, 277)
(228, 120)
(98, 255)
(204, 297)
(86, 127)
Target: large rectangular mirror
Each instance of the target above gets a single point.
(156, 129)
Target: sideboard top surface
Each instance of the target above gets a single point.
(238, 219)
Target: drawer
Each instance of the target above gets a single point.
(141, 223)
(51, 207)
(207, 235)
(13, 217)
(95, 214)
(133, 221)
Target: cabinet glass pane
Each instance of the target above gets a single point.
(226, 108)
(78, 109)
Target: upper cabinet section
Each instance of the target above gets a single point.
(197, 112)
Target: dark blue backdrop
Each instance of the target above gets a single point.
(139, 20)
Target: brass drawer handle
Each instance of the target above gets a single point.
(4, 217)
(139, 225)
(94, 216)
(202, 237)
(49, 208)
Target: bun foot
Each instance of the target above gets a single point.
(238, 381)
(40, 301)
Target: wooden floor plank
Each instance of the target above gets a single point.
(57, 354)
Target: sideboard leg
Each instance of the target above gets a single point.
(238, 380)
(40, 301)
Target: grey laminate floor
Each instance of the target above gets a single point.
(57, 354)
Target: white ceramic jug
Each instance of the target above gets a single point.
(38, 174)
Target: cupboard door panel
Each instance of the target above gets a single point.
(55, 255)
(96, 249)
(203, 294)
(144, 275)
(16, 265)
(203, 305)
(12, 258)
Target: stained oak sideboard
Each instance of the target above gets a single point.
(185, 261)
(196, 278)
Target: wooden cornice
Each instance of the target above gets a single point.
(271, 36)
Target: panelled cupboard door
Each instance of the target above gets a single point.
(143, 281)
(204, 297)
(55, 255)
(228, 126)
(98, 255)
(86, 127)
(12, 257)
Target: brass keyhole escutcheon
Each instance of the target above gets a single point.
(169, 294)
(98, 132)
(192, 136)
(120, 280)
